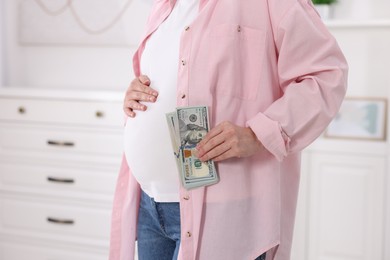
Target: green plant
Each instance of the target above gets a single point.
(323, 2)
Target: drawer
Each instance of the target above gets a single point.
(19, 140)
(62, 111)
(22, 251)
(54, 220)
(59, 179)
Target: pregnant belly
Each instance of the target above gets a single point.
(148, 148)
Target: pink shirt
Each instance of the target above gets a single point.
(270, 65)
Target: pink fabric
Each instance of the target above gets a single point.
(272, 66)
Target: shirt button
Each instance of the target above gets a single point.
(189, 234)
(187, 28)
(186, 197)
(183, 62)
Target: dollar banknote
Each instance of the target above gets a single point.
(187, 127)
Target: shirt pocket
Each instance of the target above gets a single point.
(236, 60)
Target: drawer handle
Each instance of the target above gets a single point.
(61, 180)
(60, 143)
(60, 221)
(21, 110)
(99, 114)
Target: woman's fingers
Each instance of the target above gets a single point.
(144, 80)
(226, 141)
(129, 112)
(135, 105)
(219, 152)
(140, 88)
(138, 91)
(214, 138)
(140, 96)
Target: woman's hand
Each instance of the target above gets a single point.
(226, 141)
(139, 90)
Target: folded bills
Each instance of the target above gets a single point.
(187, 127)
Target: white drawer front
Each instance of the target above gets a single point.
(27, 252)
(24, 139)
(59, 111)
(54, 220)
(58, 180)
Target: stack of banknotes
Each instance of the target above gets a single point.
(187, 127)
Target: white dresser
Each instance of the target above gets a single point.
(59, 158)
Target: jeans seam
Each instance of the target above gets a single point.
(160, 219)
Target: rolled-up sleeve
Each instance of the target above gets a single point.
(312, 73)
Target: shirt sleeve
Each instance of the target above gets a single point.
(312, 75)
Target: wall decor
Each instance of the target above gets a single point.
(96, 22)
(360, 118)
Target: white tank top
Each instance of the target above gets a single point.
(147, 142)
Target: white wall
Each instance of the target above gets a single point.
(366, 49)
(70, 66)
(73, 66)
(362, 9)
(365, 44)
(1, 45)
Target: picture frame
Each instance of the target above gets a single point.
(360, 119)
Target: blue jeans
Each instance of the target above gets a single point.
(158, 230)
